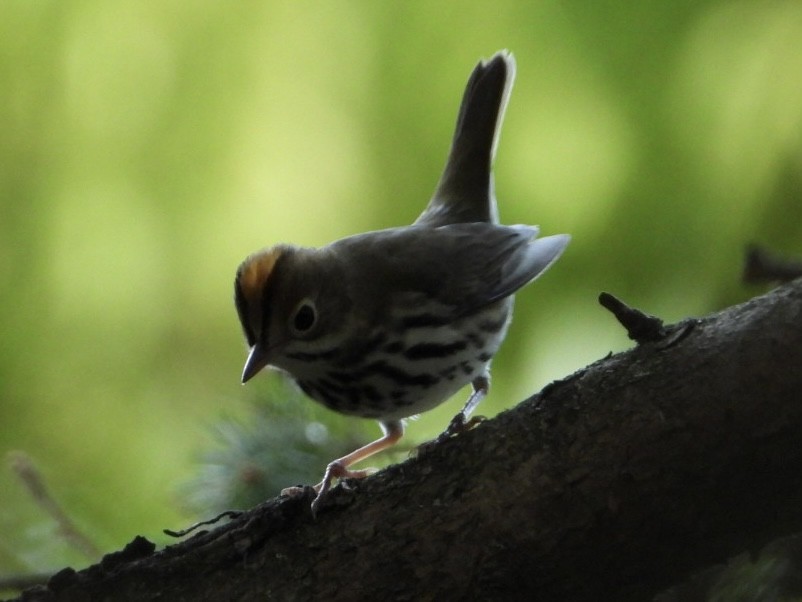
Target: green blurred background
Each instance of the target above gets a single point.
(146, 147)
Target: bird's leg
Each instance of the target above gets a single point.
(338, 469)
(463, 421)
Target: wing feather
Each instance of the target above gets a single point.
(463, 266)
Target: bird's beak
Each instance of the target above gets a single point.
(257, 359)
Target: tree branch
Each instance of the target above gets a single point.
(613, 483)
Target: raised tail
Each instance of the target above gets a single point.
(465, 192)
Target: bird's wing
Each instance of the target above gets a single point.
(460, 266)
(493, 262)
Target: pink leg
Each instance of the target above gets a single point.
(338, 469)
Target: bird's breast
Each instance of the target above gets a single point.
(411, 364)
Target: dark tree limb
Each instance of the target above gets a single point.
(611, 484)
(761, 265)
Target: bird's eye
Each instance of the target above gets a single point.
(305, 316)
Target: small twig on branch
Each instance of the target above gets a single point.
(30, 476)
(762, 266)
(204, 523)
(640, 327)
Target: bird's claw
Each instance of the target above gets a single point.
(459, 424)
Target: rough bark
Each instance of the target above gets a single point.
(611, 484)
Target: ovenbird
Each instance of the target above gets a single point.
(392, 323)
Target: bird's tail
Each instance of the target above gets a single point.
(465, 192)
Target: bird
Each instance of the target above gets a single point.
(391, 323)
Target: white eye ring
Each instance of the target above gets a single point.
(304, 317)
